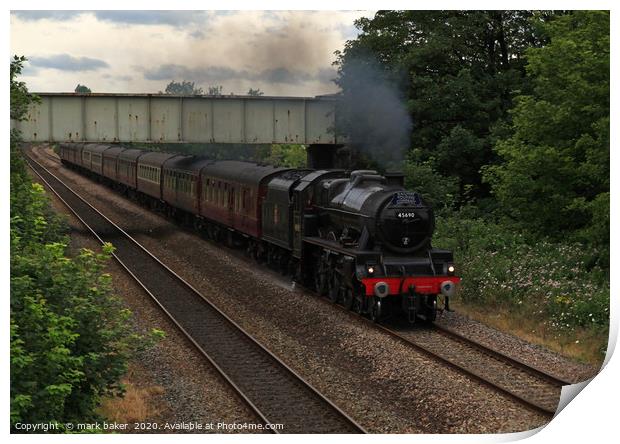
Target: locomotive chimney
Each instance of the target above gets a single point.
(395, 178)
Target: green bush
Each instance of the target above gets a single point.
(557, 283)
(70, 337)
(441, 192)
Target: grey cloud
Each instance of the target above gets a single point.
(123, 78)
(197, 34)
(40, 15)
(66, 62)
(29, 70)
(221, 73)
(173, 18)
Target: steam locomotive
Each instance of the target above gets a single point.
(357, 237)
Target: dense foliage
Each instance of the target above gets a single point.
(510, 142)
(553, 283)
(456, 71)
(70, 337)
(184, 88)
(554, 174)
(82, 89)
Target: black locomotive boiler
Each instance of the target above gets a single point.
(358, 237)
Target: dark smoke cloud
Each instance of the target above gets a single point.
(286, 40)
(221, 73)
(173, 71)
(373, 114)
(326, 75)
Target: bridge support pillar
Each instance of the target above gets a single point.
(322, 156)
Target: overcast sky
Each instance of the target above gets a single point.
(280, 52)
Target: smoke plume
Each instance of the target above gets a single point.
(372, 113)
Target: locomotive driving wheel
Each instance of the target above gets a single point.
(348, 298)
(376, 310)
(358, 306)
(334, 287)
(321, 277)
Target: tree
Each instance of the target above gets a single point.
(215, 90)
(183, 88)
(82, 89)
(21, 99)
(70, 338)
(555, 175)
(287, 155)
(255, 92)
(456, 71)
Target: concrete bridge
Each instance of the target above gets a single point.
(163, 118)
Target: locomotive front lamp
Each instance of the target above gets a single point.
(382, 289)
(371, 270)
(451, 269)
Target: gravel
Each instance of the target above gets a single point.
(532, 354)
(192, 390)
(383, 384)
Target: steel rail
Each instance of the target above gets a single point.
(453, 335)
(472, 373)
(532, 405)
(331, 412)
(515, 362)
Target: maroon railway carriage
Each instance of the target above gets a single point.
(181, 179)
(71, 152)
(127, 166)
(85, 158)
(232, 193)
(110, 162)
(149, 173)
(96, 157)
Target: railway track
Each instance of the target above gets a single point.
(531, 387)
(267, 385)
(44, 152)
(552, 379)
(527, 385)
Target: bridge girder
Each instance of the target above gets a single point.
(65, 117)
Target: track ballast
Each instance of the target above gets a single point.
(270, 388)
